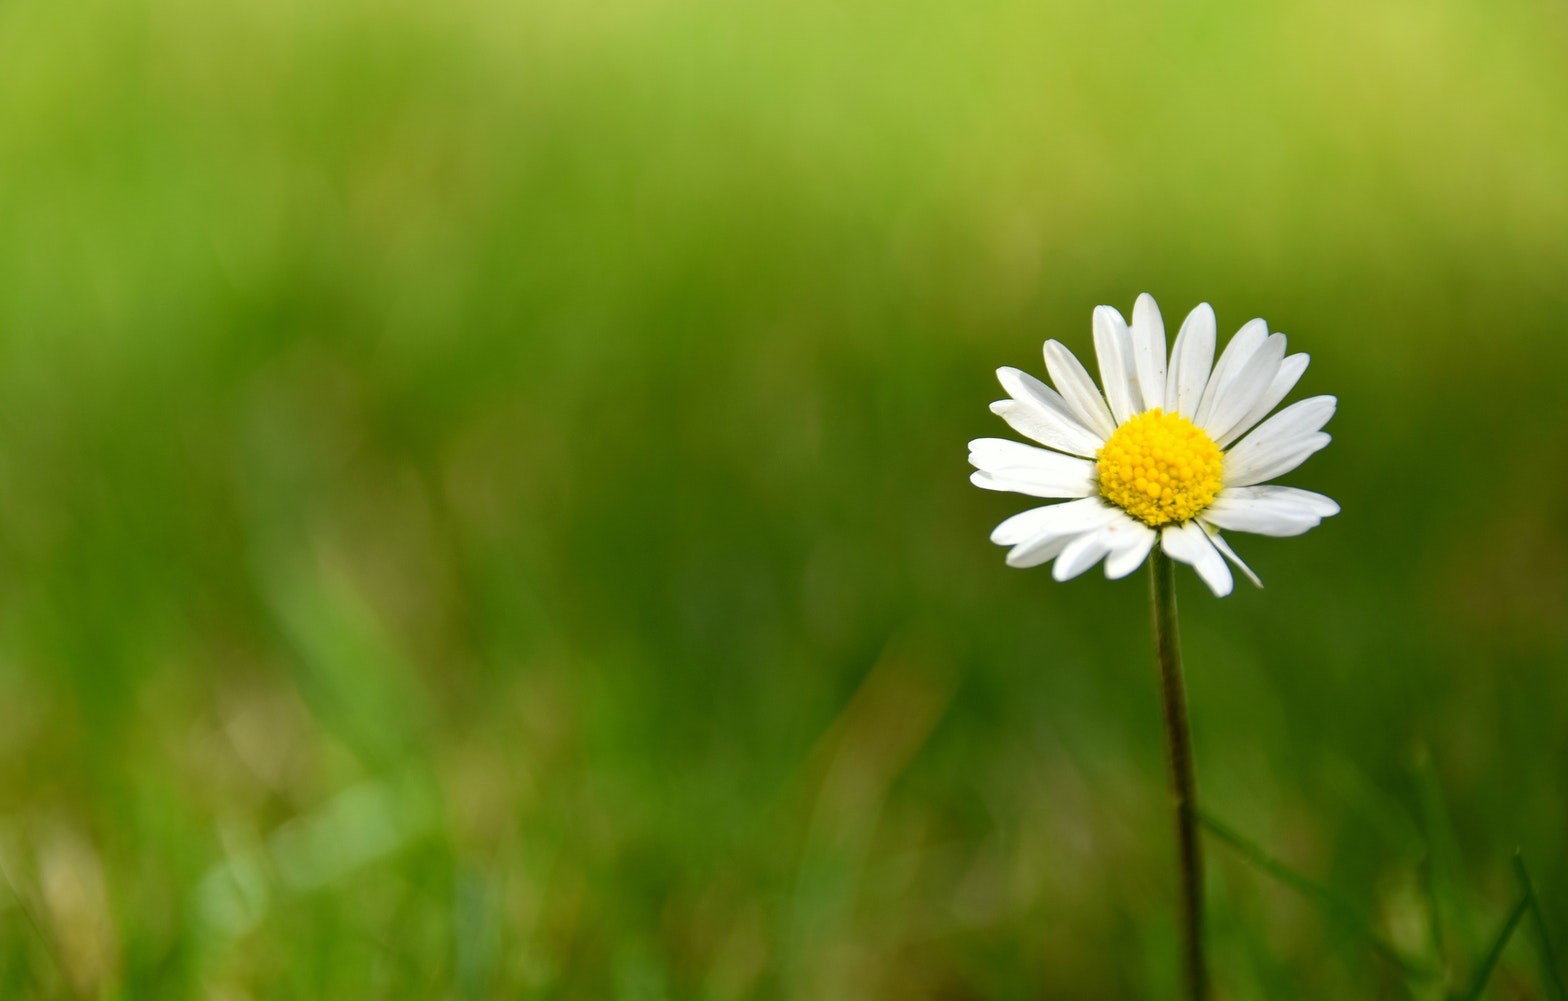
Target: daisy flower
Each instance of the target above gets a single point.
(1176, 450)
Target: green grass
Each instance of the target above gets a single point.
(483, 508)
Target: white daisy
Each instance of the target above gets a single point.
(1166, 458)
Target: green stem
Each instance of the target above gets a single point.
(1184, 788)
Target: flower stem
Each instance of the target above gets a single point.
(1184, 789)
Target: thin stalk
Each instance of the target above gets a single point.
(1483, 973)
(1552, 976)
(1184, 787)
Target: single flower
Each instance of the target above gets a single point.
(1177, 449)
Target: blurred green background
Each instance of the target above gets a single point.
(483, 509)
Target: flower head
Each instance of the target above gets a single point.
(1176, 450)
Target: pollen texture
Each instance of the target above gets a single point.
(1160, 468)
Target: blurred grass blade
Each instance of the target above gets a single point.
(1551, 974)
(1484, 972)
(873, 740)
(1337, 908)
(25, 905)
(1452, 930)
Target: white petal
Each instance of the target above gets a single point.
(1081, 554)
(1292, 430)
(1122, 539)
(1026, 525)
(1189, 543)
(1269, 510)
(1130, 548)
(1013, 459)
(1033, 554)
(1246, 386)
(1261, 518)
(1277, 463)
(1033, 486)
(1049, 541)
(1034, 531)
(1073, 382)
(1237, 353)
(1230, 554)
(1148, 351)
(1285, 380)
(1113, 347)
(1323, 507)
(1024, 469)
(1037, 411)
(1191, 359)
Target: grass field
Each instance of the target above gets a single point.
(483, 509)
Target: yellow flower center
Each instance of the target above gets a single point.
(1160, 468)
